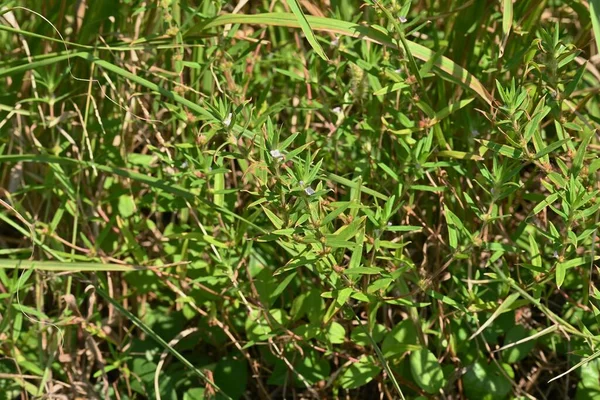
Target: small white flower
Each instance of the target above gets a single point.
(227, 121)
(184, 165)
(309, 191)
(276, 154)
(335, 42)
(398, 70)
(555, 255)
(301, 183)
(474, 132)
(389, 224)
(403, 20)
(337, 110)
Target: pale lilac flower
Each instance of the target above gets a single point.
(337, 110)
(335, 42)
(309, 191)
(184, 165)
(403, 20)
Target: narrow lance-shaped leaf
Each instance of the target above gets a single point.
(507, 20)
(595, 16)
(305, 26)
(503, 307)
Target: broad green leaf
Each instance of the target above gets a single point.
(336, 334)
(485, 382)
(359, 336)
(126, 206)
(516, 353)
(402, 338)
(426, 371)
(231, 374)
(359, 374)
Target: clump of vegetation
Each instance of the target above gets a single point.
(273, 200)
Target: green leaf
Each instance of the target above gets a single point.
(595, 17)
(391, 88)
(501, 309)
(305, 26)
(400, 340)
(426, 371)
(359, 374)
(451, 221)
(282, 285)
(58, 266)
(561, 272)
(517, 353)
(582, 150)
(503, 149)
(360, 337)
(336, 333)
(363, 271)
(485, 382)
(231, 373)
(275, 220)
(507, 20)
(404, 228)
(551, 198)
(550, 148)
(452, 108)
(126, 206)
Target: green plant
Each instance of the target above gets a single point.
(299, 199)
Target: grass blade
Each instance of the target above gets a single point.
(305, 26)
(503, 307)
(595, 16)
(148, 331)
(57, 266)
(445, 67)
(507, 20)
